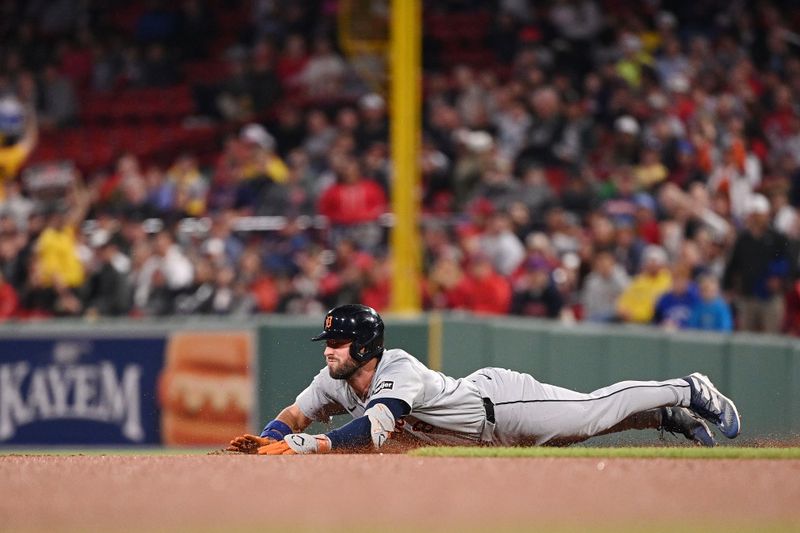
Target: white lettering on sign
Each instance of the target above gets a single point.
(76, 392)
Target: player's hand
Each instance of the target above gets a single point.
(297, 443)
(248, 443)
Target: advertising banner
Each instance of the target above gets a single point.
(180, 387)
(80, 390)
(206, 391)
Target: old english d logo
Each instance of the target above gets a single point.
(328, 321)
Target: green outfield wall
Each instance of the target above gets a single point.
(760, 372)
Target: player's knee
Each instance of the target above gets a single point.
(381, 422)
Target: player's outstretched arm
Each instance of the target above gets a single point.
(373, 429)
(289, 420)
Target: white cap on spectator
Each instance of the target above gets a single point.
(257, 134)
(631, 43)
(571, 261)
(678, 83)
(12, 115)
(666, 20)
(655, 254)
(214, 246)
(372, 101)
(786, 221)
(627, 124)
(99, 238)
(757, 204)
(476, 141)
(657, 100)
(537, 241)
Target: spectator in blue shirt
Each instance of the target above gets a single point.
(674, 308)
(712, 312)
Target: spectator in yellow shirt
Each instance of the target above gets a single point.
(261, 158)
(14, 148)
(189, 184)
(263, 175)
(57, 247)
(637, 302)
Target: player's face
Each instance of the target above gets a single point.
(337, 356)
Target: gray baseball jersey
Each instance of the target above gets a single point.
(446, 410)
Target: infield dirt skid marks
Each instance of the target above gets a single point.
(394, 492)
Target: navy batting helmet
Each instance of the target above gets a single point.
(358, 323)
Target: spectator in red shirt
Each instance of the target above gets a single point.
(353, 205)
(76, 59)
(8, 299)
(346, 276)
(377, 290)
(292, 61)
(444, 287)
(486, 291)
(261, 287)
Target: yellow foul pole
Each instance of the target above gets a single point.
(405, 36)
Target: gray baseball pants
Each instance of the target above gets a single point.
(532, 413)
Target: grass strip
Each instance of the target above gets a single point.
(722, 452)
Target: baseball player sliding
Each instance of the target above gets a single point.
(390, 393)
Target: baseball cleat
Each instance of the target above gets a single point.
(709, 403)
(679, 420)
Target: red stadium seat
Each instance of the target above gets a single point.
(205, 72)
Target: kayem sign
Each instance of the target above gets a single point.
(80, 390)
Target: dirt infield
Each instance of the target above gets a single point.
(392, 492)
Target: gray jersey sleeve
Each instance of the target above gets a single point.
(318, 401)
(399, 379)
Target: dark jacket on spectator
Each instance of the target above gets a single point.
(754, 261)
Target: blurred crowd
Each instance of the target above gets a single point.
(607, 161)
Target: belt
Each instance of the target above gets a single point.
(488, 406)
